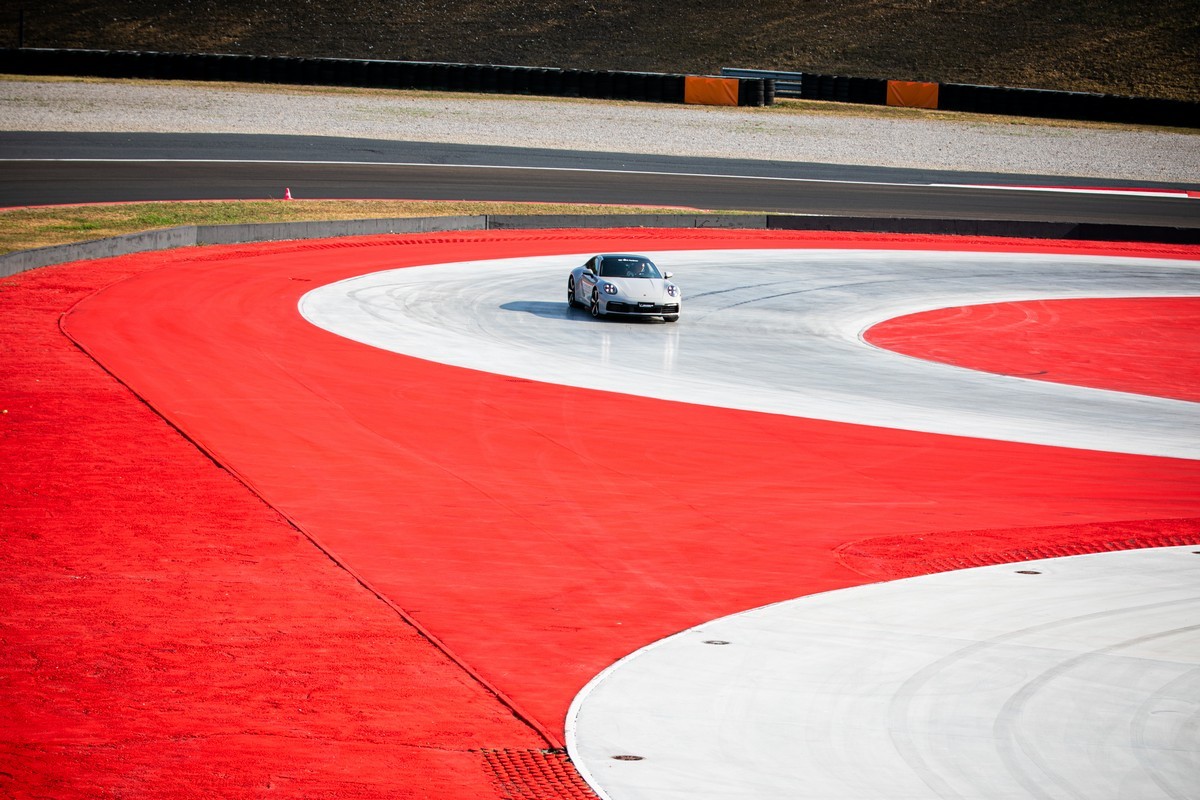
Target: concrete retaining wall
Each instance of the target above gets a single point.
(189, 235)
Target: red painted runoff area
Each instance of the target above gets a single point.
(1144, 345)
(170, 629)
(167, 634)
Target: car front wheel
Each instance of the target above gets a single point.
(595, 308)
(571, 301)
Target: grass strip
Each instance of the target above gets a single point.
(28, 228)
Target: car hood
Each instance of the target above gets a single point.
(640, 288)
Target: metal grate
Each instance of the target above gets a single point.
(536, 775)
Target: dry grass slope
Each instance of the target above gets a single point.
(1132, 47)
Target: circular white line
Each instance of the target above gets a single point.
(1080, 681)
(777, 331)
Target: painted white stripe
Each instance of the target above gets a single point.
(1180, 194)
(1145, 193)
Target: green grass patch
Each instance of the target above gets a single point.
(28, 228)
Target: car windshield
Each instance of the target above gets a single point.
(628, 267)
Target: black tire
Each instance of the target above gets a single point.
(595, 307)
(571, 301)
(670, 317)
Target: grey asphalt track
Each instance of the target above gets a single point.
(54, 168)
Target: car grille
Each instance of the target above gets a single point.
(642, 308)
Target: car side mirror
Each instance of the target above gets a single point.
(668, 274)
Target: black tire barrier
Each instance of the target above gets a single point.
(1069, 105)
(756, 92)
(1042, 103)
(405, 76)
(168, 65)
(650, 87)
(1070, 231)
(191, 68)
(588, 84)
(646, 87)
(437, 77)
(842, 89)
(551, 83)
(768, 92)
(601, 85)
(750, 93)
(121, 65)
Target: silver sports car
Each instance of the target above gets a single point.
(624, 285)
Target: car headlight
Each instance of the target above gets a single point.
(610, 288)
(672, 289)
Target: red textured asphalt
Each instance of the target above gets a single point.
(454, 495)
(166, 634)
(1140, 345)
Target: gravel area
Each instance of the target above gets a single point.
(874, 138)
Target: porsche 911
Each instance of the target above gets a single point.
(626, 285)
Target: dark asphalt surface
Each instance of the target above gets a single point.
(53, 168)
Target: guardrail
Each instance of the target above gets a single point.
(787, 84)
(485, 78)
(1044, 103)
(192, 235)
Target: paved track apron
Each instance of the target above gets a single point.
(543, 531)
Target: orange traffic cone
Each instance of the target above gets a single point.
(287, 194)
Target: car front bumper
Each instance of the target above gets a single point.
(638, 309)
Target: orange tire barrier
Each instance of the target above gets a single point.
(912, 94)
(710, 91)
